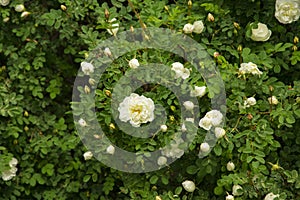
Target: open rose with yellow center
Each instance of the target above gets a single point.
(136, 109)
(287, 11)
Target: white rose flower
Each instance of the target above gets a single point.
(177, 67)
(4, 2)
(110, 149)
(115, 27)
(261, 33)
(161, 160)
(87, 68)
(88, 155)
(163, 128)
(10, 173)
(107, 52)
(287, 11)
(215, 116)
(205, 123)
(229, 197)
(134, 63)
(82, 122)
(271, 196)
(249, 68)
(136, 109)
(180, 71)
(211, 118)
(273, 100)
(236, 190)
(204, 147)
(185, 73)
(198, 91)
(189, 186)
(251, 101)
(198, 27)
(230, 166)
(19, 8)
(189, 105)
(219, 132)
(188, 28)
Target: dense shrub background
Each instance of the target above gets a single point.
(40, 55)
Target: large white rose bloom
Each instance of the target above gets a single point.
(198, 91)
(136, 109)
(87, 68)
(188, 28)
(205, 123)
(249, 68)
(215, 116)
(180, 71)
(4, 2)
(251, 101)
(287, 11)
(198, 27)
(211, 118)
(10, 173)
(261, 33)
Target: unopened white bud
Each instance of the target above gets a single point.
(110, 149)
(230, 166)
(204, 147)
(25, 14)
(189, 186)
(163, 128)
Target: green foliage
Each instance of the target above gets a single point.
(40, 55)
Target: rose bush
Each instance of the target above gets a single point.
(44, 44)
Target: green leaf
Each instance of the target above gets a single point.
(178, 190)
(192, 169)
(290, 119)
(165, 180)
(249, 159)
(86, 178)
(153, 180)
(297, 112)
(218, 150)
(260, 159)
(218, 190)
